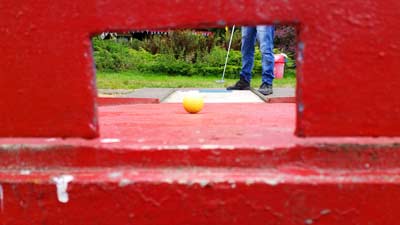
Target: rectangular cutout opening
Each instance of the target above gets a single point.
(162, 66)
(152, 64)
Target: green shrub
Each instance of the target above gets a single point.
(182, 44)
(135, 44)
(236, 39)
(166, 64)
(111, 55)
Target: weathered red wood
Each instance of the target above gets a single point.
(198, 196)
(347, 61)
(47, 82)
(157, 164)
(281, 100)
(106, 101)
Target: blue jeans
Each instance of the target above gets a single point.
(265, 36)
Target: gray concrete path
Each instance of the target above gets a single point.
(210, 94)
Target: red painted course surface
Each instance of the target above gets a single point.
(347, 62)
(230, 164)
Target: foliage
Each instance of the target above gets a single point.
(236, 39)
(112, 56)
(285, 39)
(178, 53)
(115, 56)
(182, 45)
(133, 43)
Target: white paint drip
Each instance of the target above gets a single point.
(205, 147)
(114, 175)
(249, 182)
(182, 147)
(325, 212)
(203, 183)
(233, 183)
(213, 147)
(62, 186)
(229, 147)
(182, 181)
(25, 172)
(1, 198)
(124, 182)
(309, 221)
(169, 181)
(272, 182)
(110, 140)
(51, 139)
(173, 147)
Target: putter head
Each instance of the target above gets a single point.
(220, 81)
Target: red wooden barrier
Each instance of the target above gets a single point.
(159, 165)
(347, 74)
(155, 164)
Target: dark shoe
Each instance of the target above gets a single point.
(242, 84)
(265, 89)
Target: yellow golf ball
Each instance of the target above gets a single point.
(193, 103)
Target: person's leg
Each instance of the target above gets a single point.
(247, 49)
(265, 36)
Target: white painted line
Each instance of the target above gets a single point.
(214, 96)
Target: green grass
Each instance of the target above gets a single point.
(136, 80)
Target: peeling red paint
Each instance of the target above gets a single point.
(265, 172)
(103, 101)
(156, 164)
(200, 196)
(347, 55)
